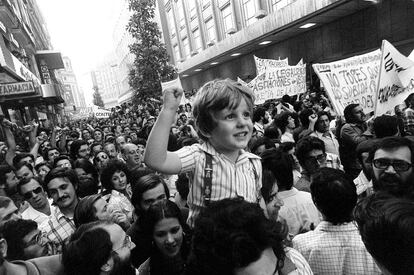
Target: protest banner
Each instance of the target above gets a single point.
(407, 76)
(351, 80)
(263, 65)
(100, 112)
(275, 83)
(175, 83)
(391, 91)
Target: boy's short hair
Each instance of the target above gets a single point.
(215, 96)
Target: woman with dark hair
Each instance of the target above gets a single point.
(88, 177)
(115, 179)
(164, 224)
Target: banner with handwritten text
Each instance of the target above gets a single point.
(351, 80)
(275, 83)
(263, 65)
(391, 90)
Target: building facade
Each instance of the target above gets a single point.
(210, 39)
(73, 97)
(28, 85)
(106, 80)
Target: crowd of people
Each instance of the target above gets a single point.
(215, 186)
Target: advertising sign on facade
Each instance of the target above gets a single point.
(18, 88)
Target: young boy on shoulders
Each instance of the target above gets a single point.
(220, 167)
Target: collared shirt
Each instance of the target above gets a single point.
(287, 137)
(335, 249)
(229, 180)
(331, 143)
(298, 210)
(58, 228)
(259, 128)
(32, 214)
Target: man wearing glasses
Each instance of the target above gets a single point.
(25, 241)
(40, 207)
(311, 154)
(392, 163)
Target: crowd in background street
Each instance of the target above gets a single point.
(215, 186)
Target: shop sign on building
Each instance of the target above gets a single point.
(18, 88)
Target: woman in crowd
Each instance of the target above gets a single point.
(164, 224)
(117, 189)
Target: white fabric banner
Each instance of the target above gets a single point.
(391, 91)
(263, 65)
(273, 84)
(351, 80)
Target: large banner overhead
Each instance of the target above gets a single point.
(263, 65)
(351, 80)
(275, 83)
(99, 112)
(394, 68)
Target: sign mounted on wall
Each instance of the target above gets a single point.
(17, 88)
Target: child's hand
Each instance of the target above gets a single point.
(172, 98)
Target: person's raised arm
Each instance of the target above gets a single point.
(11, 142)
(156, 155)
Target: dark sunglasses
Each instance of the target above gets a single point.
(319, 158)
(398, 165)
(29, 195)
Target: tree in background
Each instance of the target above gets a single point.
(97, 99)
(151, 64)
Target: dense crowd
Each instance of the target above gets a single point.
(215, 186)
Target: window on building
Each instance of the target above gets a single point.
(186, 47)
(249, 10)
(193, 9)
(181, 15)
(177, 55)
(171, 23)
(211, 32)
(278, 4)
(205, 3)
(227, 16)
(198, 45)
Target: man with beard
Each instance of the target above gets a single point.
(61, 185)
(39, 209)
(392, 163)
(109, 253)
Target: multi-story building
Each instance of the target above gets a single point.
(106, 80)
(73, 97)
(28, 86)
(210, 39)
(122, 39)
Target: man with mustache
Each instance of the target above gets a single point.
(392, 163)
(61, 185)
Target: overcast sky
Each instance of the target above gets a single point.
(81, 30)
